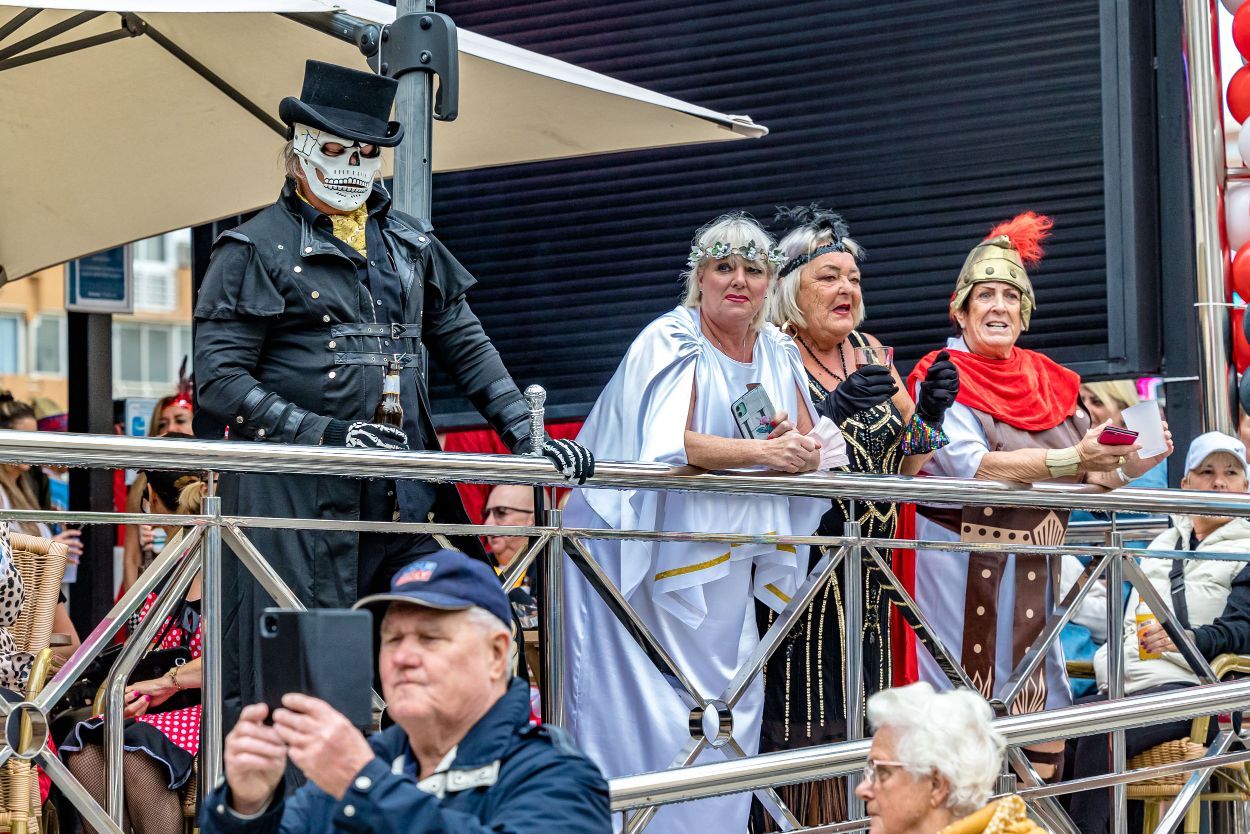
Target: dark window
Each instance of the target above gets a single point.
(923, 122)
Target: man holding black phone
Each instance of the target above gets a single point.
(462, 756)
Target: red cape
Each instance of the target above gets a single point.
(1026, 390)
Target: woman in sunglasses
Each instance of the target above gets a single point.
(932, 766)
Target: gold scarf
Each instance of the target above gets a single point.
(1006, 816)
(349, 228)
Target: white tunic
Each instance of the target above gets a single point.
(942, 575)
(695, 597)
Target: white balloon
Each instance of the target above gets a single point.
(1243, 145)
(1232, 5)
(1237, 214)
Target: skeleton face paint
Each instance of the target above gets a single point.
(339, 171)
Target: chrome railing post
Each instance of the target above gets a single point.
(852, 640)
(1208, 168)
(553, 623)
(551, 604)
(210, 637)
(1115, 673)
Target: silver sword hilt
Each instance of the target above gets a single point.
(536, 398)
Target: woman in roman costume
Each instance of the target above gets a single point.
(1017, 418)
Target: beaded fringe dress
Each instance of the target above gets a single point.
(804, 700)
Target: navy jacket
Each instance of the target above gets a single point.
(508, 776)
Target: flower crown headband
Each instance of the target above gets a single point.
(720, 250)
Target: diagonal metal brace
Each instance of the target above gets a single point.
(1060, 617)
(1193, 786)
(1055, 817)
(910, 611)
(1163, 612)
(612, 598)
(780, 628)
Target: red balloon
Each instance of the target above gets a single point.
(1241, 273)
(1241, 30)
(1239, 94)
(1241, 347)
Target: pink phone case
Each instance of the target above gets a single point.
(1116, 436)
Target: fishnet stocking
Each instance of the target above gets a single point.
(151, 808)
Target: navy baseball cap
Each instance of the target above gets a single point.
(449, 581)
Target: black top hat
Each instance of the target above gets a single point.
(345, 102)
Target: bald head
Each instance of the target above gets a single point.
(508, 505)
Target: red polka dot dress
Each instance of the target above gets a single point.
(171, 737)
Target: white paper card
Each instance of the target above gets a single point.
(832, 444)
(1145, 419)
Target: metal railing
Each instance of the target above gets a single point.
(211, 529)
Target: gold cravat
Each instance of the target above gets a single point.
(350, 228)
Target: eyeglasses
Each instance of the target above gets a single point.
(874, 768)
(502, 512)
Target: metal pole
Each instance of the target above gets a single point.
(415, 111)
(553, 624)
(1115, 675)
(550, 581)
(210, 637)
(1206, 155)
(853, 642)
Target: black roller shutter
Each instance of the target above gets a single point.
(923, 121)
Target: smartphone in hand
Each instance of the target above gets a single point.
(1116, 436)
(325, 653)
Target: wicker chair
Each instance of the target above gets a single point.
(42, 565)
(1231, 784)
(1228, 784)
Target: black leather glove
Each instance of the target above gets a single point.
(870, 385)
(362, 435)
(572, 460)
(938, 391)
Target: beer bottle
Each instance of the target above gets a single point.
(389, 411)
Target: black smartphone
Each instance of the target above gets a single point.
(325, 653)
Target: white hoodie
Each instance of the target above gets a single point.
(1207, 586)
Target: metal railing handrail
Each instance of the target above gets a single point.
(123, 452)
(119, 452)
(829, 760)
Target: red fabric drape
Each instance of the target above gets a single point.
(902, 638)
(486, 442)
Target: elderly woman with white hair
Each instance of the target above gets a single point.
(818, 300)
(932, 766)
(673, 400)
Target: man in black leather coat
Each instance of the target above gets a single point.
(300, 309)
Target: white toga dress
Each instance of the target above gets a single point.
(697, 598)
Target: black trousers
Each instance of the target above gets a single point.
(376, 556)
(1091, 756)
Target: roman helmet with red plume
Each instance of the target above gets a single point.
(1002, 256)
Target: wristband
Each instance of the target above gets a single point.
(1125, 480)
(921, 436)
(1063, 462)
